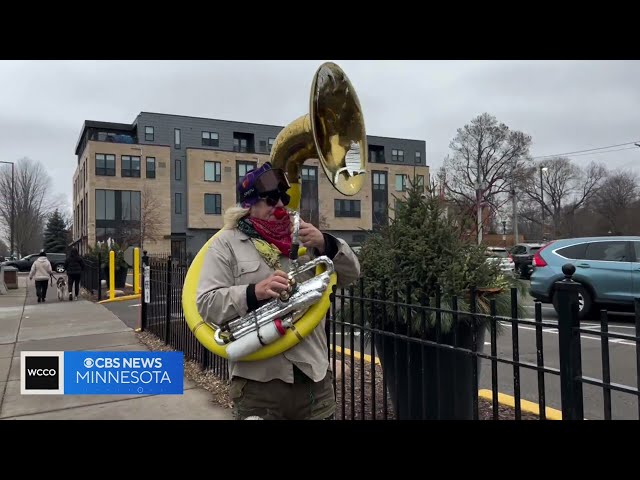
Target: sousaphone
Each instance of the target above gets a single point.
(333, 132)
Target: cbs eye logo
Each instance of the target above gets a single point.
(41, 372)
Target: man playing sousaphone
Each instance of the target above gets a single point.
(244, 268)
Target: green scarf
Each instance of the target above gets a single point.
(268, 251)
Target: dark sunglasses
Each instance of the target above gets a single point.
(273, 197)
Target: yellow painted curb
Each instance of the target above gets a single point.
(120, 299)
(525, 405)
(503, 398)
(355, 355)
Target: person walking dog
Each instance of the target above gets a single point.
(74, 266)
(41, 271)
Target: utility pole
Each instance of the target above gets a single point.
(13, 206)
(514, 200)
(478, 203)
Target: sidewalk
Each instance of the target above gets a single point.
(80, 325)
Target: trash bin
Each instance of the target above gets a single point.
(10, 277)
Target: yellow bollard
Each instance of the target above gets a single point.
(112, 274)
(136, 271)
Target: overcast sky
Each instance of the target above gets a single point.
(565, 106)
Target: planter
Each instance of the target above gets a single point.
(120, 277)
(430, 383)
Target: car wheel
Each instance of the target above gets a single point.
(60, 268)
(585, 303)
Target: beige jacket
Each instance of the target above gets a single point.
(40, 269)
(232, 263)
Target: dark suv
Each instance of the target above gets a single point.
(24, 264)
(522, 255)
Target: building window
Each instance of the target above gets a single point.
(130, 205)
(178, 203)
(243, 142)
(379, 198)
(418, 158)
(210, 139)
(420, 181)
(379, 181)
(148, 134)
(103, 234)
(130, 166)
(212, 171)
(105, 204)
(397, 155)
(212, 203)
(347, 208)
(240, 144)
(271, 141)
(105, 164)
(176, 138)
(401, 183)
(178, 169)
(376, 154)
(309, 209)
(151, 167)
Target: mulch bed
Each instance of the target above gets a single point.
(353, 406)
(220, 393)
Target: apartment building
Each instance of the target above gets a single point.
(176, 175)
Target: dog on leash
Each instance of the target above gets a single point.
(62, 287)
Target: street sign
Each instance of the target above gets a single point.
(146, 272)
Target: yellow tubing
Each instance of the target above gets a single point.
(204, 332)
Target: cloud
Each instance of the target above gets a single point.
(564, 105)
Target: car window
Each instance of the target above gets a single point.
(518, 250)
(637, 245)
(575, 252)
(607, 251)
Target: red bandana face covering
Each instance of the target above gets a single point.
(277, 231)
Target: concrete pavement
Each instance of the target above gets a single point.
(26, 325)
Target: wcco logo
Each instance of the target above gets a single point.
(41, 373)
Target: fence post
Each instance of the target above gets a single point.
(168, 317)
(144, 295)
(99, 279)
(569, 342)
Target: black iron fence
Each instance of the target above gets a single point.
(91, 276)
(163, 315)
(431, 358)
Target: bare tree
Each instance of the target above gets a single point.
(487, 159)
(33, 200)
(562, 189)
(614, 200)
(4, 250)
(148, 228)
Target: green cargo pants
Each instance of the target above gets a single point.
(277, 400)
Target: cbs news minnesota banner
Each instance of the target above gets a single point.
(101, 373)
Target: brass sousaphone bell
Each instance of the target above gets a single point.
(333, 131)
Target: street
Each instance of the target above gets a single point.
(622, 358)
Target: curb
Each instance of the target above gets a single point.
(121, 299)
(525, 405)
(503, 398)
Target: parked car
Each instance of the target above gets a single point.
(500, 255)
(24, 264)
(607, 269)
(522, 254)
